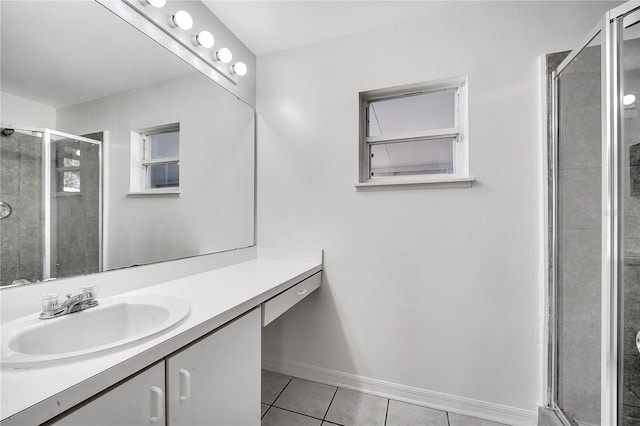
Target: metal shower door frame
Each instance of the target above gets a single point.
(610, 28)
(47, 143)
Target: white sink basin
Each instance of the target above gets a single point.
(114, 322)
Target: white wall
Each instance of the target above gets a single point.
(437, 289)
(17, 111)
(215, 211)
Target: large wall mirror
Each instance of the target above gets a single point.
(113, 151)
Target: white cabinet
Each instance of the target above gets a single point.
(216, 381)
(278, 305)
(138, 401)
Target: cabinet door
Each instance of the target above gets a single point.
(216, 381)
(138, 401)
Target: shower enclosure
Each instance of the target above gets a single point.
(50, 205)
(594, 274)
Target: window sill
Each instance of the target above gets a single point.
(449, 182)
(156, 193)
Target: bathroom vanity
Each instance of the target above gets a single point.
(203, 370)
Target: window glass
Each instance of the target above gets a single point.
(162, 145)
(70, 162)
(69, 181)
(67, 154)
(433, 156)
(412, 113)
(164, 175)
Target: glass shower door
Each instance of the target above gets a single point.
(21, 198)
(50, 205)
(73, 210)
(578, 237)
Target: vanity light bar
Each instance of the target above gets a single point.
(204, 39)
(239, 68)
(223, 55)
(182, 21)
(154, 3)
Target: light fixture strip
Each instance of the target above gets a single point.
(161, 20)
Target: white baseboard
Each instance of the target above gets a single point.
(440, 401)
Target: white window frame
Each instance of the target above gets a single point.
(147, 162)
(460, 132)
(140, 162)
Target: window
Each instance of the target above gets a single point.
(68, 167)
(155, 160)
(414, 134)
(161, 159)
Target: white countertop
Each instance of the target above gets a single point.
(31, 396)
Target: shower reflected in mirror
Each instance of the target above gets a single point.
(50, 187)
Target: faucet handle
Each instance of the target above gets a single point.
(50, 302)
(93, 289)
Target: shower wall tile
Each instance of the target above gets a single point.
(10, 263)
(91, 177)
(631, 399)
(78, 218)
(580, 146)
(580, 383)
(30, 264)
(581, 260)
(20, 186)
(580, 205)
(631, 323)
(10, 229)
(579, 321)
(580, 242)
(631, 421)
(580, 327)
(633, 244)
(630, 328)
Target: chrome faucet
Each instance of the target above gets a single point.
(52, 308)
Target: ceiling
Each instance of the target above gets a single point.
(60, 53)
(269, 26)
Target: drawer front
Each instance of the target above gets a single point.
(273, 308)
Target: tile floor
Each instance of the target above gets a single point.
(289, 401)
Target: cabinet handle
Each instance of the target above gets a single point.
(157, 404)
(301, 292)
(185, 384)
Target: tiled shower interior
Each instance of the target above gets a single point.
(76, 216)
(74, 196)
(580, 239)
(21, 188)
(631, 308)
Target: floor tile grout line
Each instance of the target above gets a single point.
(324, 418)
(285, 386)
(265, 413)
(386, 413)
(329, 406)
(296, 412)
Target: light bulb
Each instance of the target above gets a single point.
(223, 55)
(628, 99)
(182, 20)
(155, 3)
(204, 39)
(239, 68)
